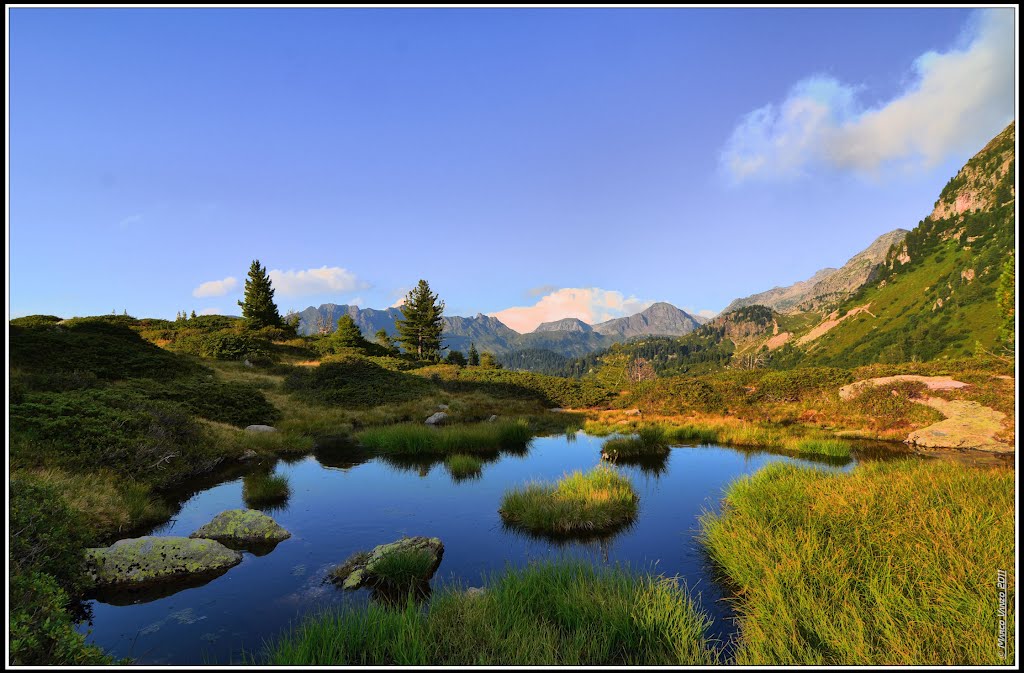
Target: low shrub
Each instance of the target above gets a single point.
(355, 382)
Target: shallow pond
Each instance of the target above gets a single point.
(343, 502)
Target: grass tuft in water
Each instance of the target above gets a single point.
(261, 489)
(894, 563)
(416, 438)
(821, 447)
(404, 568)
(650, 440)
(461, 466)
(556, 614)
(601, 500)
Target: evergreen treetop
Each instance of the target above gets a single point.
(419, 329)
(258, 307)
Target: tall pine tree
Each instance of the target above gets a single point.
(258, 308)
(419, 329)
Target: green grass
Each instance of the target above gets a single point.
(599, 501)
(894, 563)
(403, 568)
(263, 489)
(692, 433)
(417, 438)
(461, 466)
(650, 440)
(548, 614)
(821, 447)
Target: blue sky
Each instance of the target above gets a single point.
(575, 161)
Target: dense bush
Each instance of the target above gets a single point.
(36, 321)
(550, 390)
(239, 404)
(355, 381)
(109, 351)
(115, 427)
(794, 384)
(45, 542)
(890, 405)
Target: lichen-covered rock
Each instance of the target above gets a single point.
(440, 418)
(360, 569)
(243, 526)
(260, 428)
(152, 559)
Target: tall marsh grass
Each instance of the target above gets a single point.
(894, 563)
(599, 501)
(555, 614)
(414, 438)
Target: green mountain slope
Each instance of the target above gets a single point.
(935, 296)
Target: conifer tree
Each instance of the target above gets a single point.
(419, 329)
(258, 308)
(348, 334)
(474, 356)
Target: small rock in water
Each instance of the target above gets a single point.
(242, 526)
(440, 418)
(260, 428)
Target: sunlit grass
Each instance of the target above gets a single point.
(552, 614)
(894, 563)
(601, 500)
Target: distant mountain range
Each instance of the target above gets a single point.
(568, 337)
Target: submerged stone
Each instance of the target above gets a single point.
(360, 569)
(152, 559)
(243, 526)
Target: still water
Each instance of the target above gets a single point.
(344, 501)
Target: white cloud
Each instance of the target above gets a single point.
(211, 311)
(314, 281)
(955, 101)
(216, 288)
(591, 305)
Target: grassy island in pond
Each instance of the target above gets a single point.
(568, 614)
(599, 501)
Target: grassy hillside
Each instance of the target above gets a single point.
(936, 295)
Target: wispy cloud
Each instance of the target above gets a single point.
(314, 281)
(131, 220)
(591, 305)
(955, 101)
(216, 288)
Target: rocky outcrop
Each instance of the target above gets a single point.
(143, 560)
(968, 425)
(361, 569)
(243, 526)
(260, 428)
